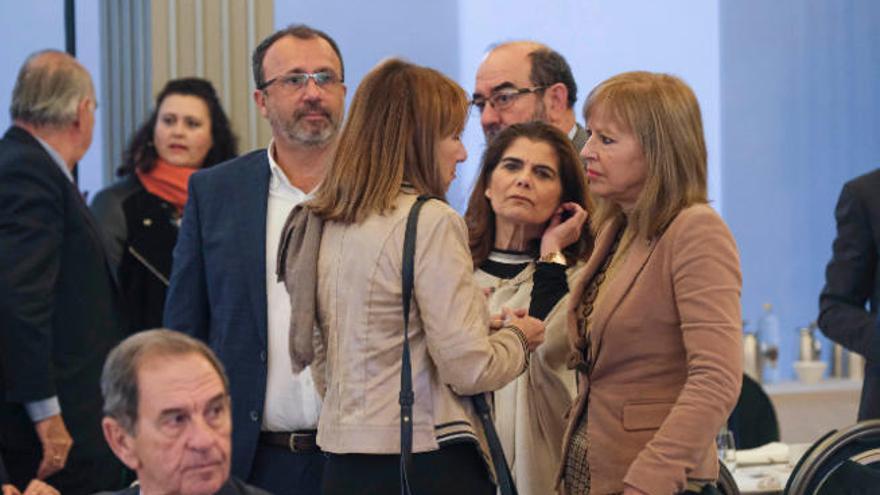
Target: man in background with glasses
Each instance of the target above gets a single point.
(522, 81)
(223, 286)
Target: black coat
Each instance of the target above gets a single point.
(852, 280)
(231, 487)
(140, 233)
(4, 478)
(60, 313)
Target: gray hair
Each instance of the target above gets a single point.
(49, 88)
(119, 384)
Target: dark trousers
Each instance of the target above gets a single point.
(282, 472)
(452, 470)
(80, 476)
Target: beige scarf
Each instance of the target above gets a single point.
(297, 267)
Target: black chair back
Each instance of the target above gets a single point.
(726, 483)
(845, 462)
(753, 420)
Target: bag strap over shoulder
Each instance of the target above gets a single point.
(406, 388)
(506, 486)
(505, 480)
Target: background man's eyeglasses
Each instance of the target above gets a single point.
(503, 99)
(300, 80)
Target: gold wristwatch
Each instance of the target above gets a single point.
(554, 257)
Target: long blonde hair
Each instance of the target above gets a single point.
(399, 112)
(663, 113)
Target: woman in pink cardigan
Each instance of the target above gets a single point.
(655, 319)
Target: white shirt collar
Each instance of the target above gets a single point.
(279, 179)
(573, 131)
(56, 157)
(509, 258)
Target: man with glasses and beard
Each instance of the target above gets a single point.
(522, 81)
(223, 288)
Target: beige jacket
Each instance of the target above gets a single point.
(360, 313)
(666, 348)
(529, 412)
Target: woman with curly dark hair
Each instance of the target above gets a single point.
(140, 214)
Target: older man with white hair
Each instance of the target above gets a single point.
(59, 308)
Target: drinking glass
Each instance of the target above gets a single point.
(726, 449)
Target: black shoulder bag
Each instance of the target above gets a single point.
(505, 481)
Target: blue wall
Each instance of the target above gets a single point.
(598, 39)
(800, 115)
(23, 38)
(790, 92)
(368, 32)
(788, 89)
(38, 25)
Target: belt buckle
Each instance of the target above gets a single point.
(292, 441)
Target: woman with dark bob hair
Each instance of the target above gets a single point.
(654, 321)
(140, 214)
(528, 240)
(401, 140)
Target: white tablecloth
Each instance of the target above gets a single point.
(766, 469)
(770, 478)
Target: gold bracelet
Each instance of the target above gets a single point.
(554, 257)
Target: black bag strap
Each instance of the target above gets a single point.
(406, 388)
(505, 481)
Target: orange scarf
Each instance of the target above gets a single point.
(167, 181)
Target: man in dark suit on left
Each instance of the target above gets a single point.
(59, 308)
(35, 487)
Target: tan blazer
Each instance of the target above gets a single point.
(666, 348)
(360, 313)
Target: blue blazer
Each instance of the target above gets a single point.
(217, 290)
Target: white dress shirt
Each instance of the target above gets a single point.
(292, 403)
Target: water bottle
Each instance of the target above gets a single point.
(768, 331)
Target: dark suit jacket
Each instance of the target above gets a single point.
(580, 138)
(140, 236)
(218, 285)
(231, 487)
(852, 280)
(59, 308)
(4, 477)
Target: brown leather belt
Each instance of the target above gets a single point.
(298, 441)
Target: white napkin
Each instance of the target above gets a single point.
(771, 453)
(769, 478)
